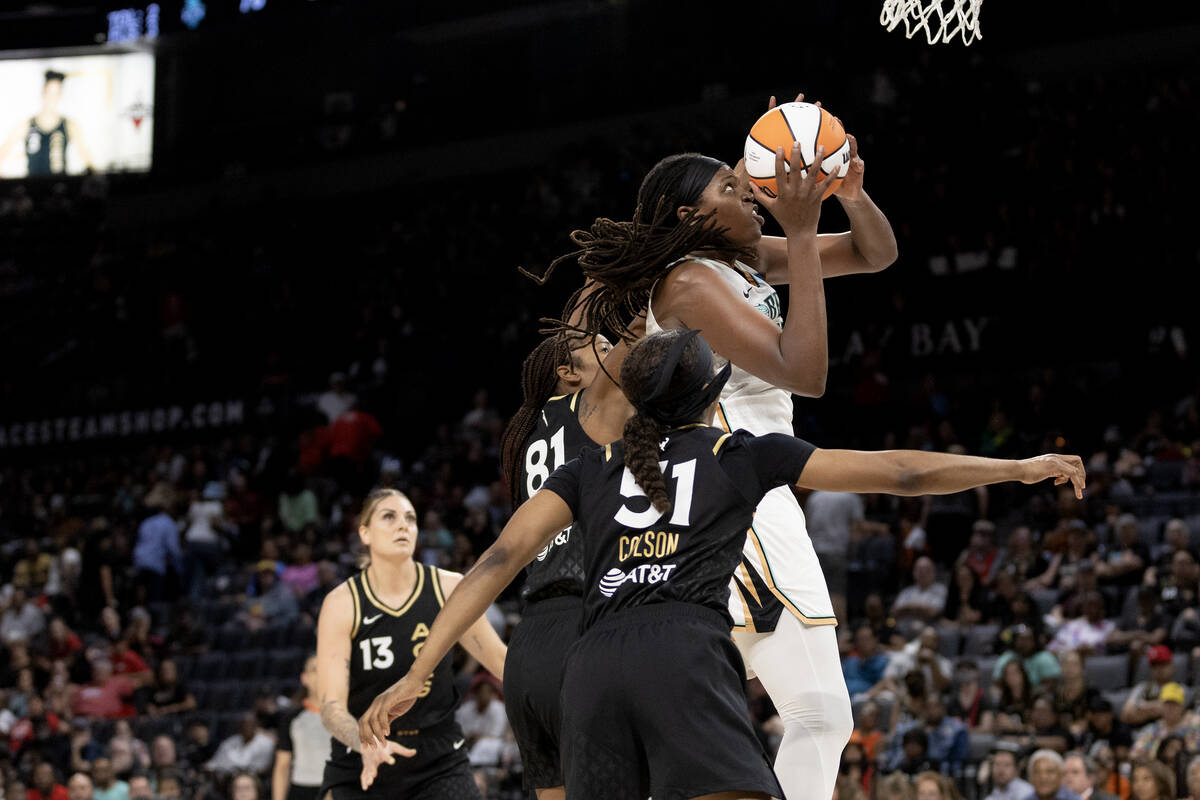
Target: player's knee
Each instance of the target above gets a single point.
(840, 717)
(825, 712)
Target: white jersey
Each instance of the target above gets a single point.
(778, 557)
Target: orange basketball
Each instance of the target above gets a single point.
(811, 126)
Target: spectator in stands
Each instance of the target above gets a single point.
(163, 758)
(126, 751)
(107, 695)
(1171, 752)
(1108, 778)
(884, 625)
(483, 722)
(274, 604)
(249, 748)
(1121, 565)
(1103, 728)
(198, 746)
(1012, 696)
(870, 561)
(1152, 781)
(1177, 589)
(982, 555)
(912, 756)
(297, 504)
(1176, 538)
(1048, 731)
(1087, 633)
(303, 745)
(327, 578)
(947, 737)
(926, 598)
(1143, 705)
(126, 662)
(336, 400)
(351, 437)
(1045, 774)
(1040, 666)
(1193, 778)
(1025, 562)
(1069, 604)
(896, 787)
(968, 701)
(867, 733)
(300, 575)
(864, 671)
(205, 538)
(61, 641)
(170, 784)
(833, 520)
(140, 788)
(22, 619)
(1006, 783)
(45, 784)
(966, 598)
(921, 654)
(245, 786)
(33, 569)
(1175, 720)
(79, 787)
(157, 549)
(170, 695)
(1141, 626)
(1022, 611)
(107, 787)
(1079, 776)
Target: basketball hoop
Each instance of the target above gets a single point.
(941, 20)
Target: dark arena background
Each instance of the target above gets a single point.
(286, 271)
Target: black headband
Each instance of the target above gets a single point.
(696, 392)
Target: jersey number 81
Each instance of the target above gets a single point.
(537, 464)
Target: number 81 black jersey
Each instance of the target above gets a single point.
(636, 555)
(558, 569)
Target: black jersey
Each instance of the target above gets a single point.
(634, 554)
(46, 150)
(385, 642)
(558, 569)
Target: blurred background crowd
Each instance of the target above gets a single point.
(204, 371)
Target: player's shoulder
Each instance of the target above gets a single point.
(340, 600)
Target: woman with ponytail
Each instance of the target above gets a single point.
(653, 701)
(570, 401)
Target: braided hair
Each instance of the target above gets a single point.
(643, 432)
(627, 258)
(539, 380)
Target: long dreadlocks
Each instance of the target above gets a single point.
(626, 259)
(539, 379)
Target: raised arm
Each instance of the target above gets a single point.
(534, 523)
(916, 472)
(795, 358)
(481, 639)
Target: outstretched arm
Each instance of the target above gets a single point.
(534, 523)
(334, 628)
(916, 472)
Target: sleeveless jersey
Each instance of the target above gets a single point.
(383, 645)
(46, 150)
(636, 555)
(558, 569)
(779, 568)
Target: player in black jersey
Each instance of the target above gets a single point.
(47, 133)
(370, 630)
(568, 403)
(653, 692)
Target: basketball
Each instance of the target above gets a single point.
(808, 124)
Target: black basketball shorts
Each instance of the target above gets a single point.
(654, 705)
(533, 671)
(439, 771)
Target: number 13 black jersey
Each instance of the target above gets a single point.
(635, 555)
(558, 569)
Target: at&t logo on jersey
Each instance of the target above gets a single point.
(562, 538)
(614, 579)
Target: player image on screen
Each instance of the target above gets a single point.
(69, 114)
(48, 134)
(663, 515)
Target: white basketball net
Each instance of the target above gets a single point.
(941, 20)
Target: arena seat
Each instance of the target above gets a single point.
(1142, 673)
(1107, 673)
(949, 640)
(980, 640)
(212, 666)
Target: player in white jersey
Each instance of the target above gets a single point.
(685, 257)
